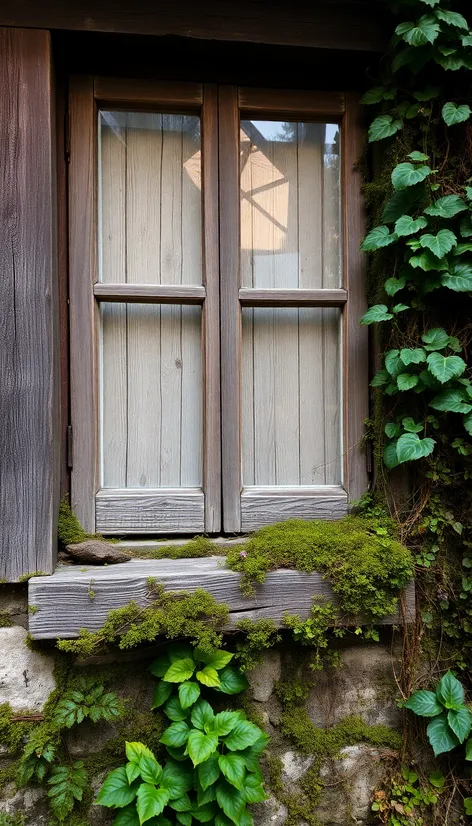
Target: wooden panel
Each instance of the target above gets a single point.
(82, 264)
(142, 92)
(356, 391)
(63, 606)
(230, 313)
(274, 297)
(175, 510)
(264, 506)
(29, 340)
(291, 103)
(150, 293)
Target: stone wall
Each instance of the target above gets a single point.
(362, 690)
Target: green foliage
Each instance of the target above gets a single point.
(87, 699)
(451, 719)
(67, 784)
(407, 800)
(257, 637)
(212, 770)
(69, 529)
(328, 742)
(314, 630)
(12, 820)
(195, 548)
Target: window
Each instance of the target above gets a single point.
(218, 373)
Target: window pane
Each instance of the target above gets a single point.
(151, 396)
(149, 198)
(291, 396)
(290, 204)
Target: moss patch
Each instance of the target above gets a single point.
(199, 546)
(258, 637)
(328, 742)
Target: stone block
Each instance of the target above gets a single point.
(294, 766)
(26, 677)
(89, 738)
(269, 813)
(263, 677)
(349, 784)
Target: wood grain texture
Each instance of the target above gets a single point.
(29, 335)
(150, 293)
(355, 344)
(331, 24)
(63, 605)
(291, 103)
(167, 94)
(274, 297)
(82, 274)
(230, 312)
(138, 511)
(264, 506)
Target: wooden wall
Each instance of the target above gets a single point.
(29, 401)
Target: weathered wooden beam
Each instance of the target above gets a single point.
(29, 406)
(74, 598)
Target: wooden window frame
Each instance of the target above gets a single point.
(247, 509)
(169, 510)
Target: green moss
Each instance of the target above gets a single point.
(13, 733)
(365, 564)
(5, 620)
(69, 529)
(258, 637)
(292, 691)
(171, 614)
(16, 819)
(27, 577)
(195, 548)
(328, 742)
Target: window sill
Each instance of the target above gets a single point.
(76, 597)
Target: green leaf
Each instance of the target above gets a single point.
(393, 363)
(116, 792)
(410, 447)
(202, 714)
(209, 772)
(180, 671)
(405, 175)
(460, 721)
(201, 746)
(232, 681)
(435, 339)
(453, 63)
(406, 225)
(207, 796)
(453, 18)
(225, 722)
(466, 227)
(234, 769)
(439, 244)
(135, 751)
(411, 426)
(376, 239)
(185, 818)
(383, 127)
(437, 779)
(392, 430)
(413, 355)
(418, 157)
(468, 800)
(174, 710)
(450, 691)
(424, 703)
(208, 676)
(177, 779)
(445, 368)
(231, 800)
(380, 379)
(453, 114)
(401, 202)
(459, 277)
(253, 790)
(150, 770)
(160, 666)
(181, 804)
(425, 31)
(427, 262)
(374, 95)
(161, 694)
(429, 92)
(406, 381)
(379, 312)
(447, 207)
(468, 424)
(400, 308)
(176, 735)
(188, 694)
(219, 659)
(440, 736)
(451, 401)
(468, 749)
(150, 801)
(204, 814)
(132, 771)
(180, 651)
(394, 285)
(390, 456)
(243, 734)
(127, 817)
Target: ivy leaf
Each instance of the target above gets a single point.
(188, 694)
(231, 801)
(465, 227)
(160, 666)
(202, 715)
(218, 659)
(177, 779)
(180, 671)
(383, 127)
(406, 225)
(181, 804)
(135, 751)
(458, 278)
(127, 817)
(174, 710)
(132, 771)
(410, 447)
(445, 368)
(379, 312)
(392, 430)
(405, 175)
(176, 735)
(390, 456)
(232, 681)
(180, 651)
(377, 238)
(253, 790)
(429, 92)
(450, 63)
(380, 379)
(225, 722)
(234, 769)
(460, 721)
(243, 734)
(425, 31)
(453, 114)
(413, 355)
(452, 18)
(201, 746)
(440, 736)
(451, 401)
(418, 157)
(116, 792)
(185, 818)
(410, 425)
(466, 40)
(450, 691)
(204, 814)
(468, 424)
(400, 308)
(468, 749)
(427, 261)
(394, 285)
(208, 676)
(207, 796)
(374, 95)
(401, 202)
(435, 339)
(209, 772)
(161, 694)
(406, 381)
(439, 244)
(150, 801)
(150, 770)
(393, 363)
(447, 207)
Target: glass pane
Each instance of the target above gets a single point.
(149, 198)
(290, 204)
(151, 396)
(291, 396)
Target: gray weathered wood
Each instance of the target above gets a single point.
(63, 604)
(150, 293)
(264, 506)
(273, 297)
(175, 510)
(29, 340)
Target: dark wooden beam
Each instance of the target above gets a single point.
(330, 24)
(29, 406)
